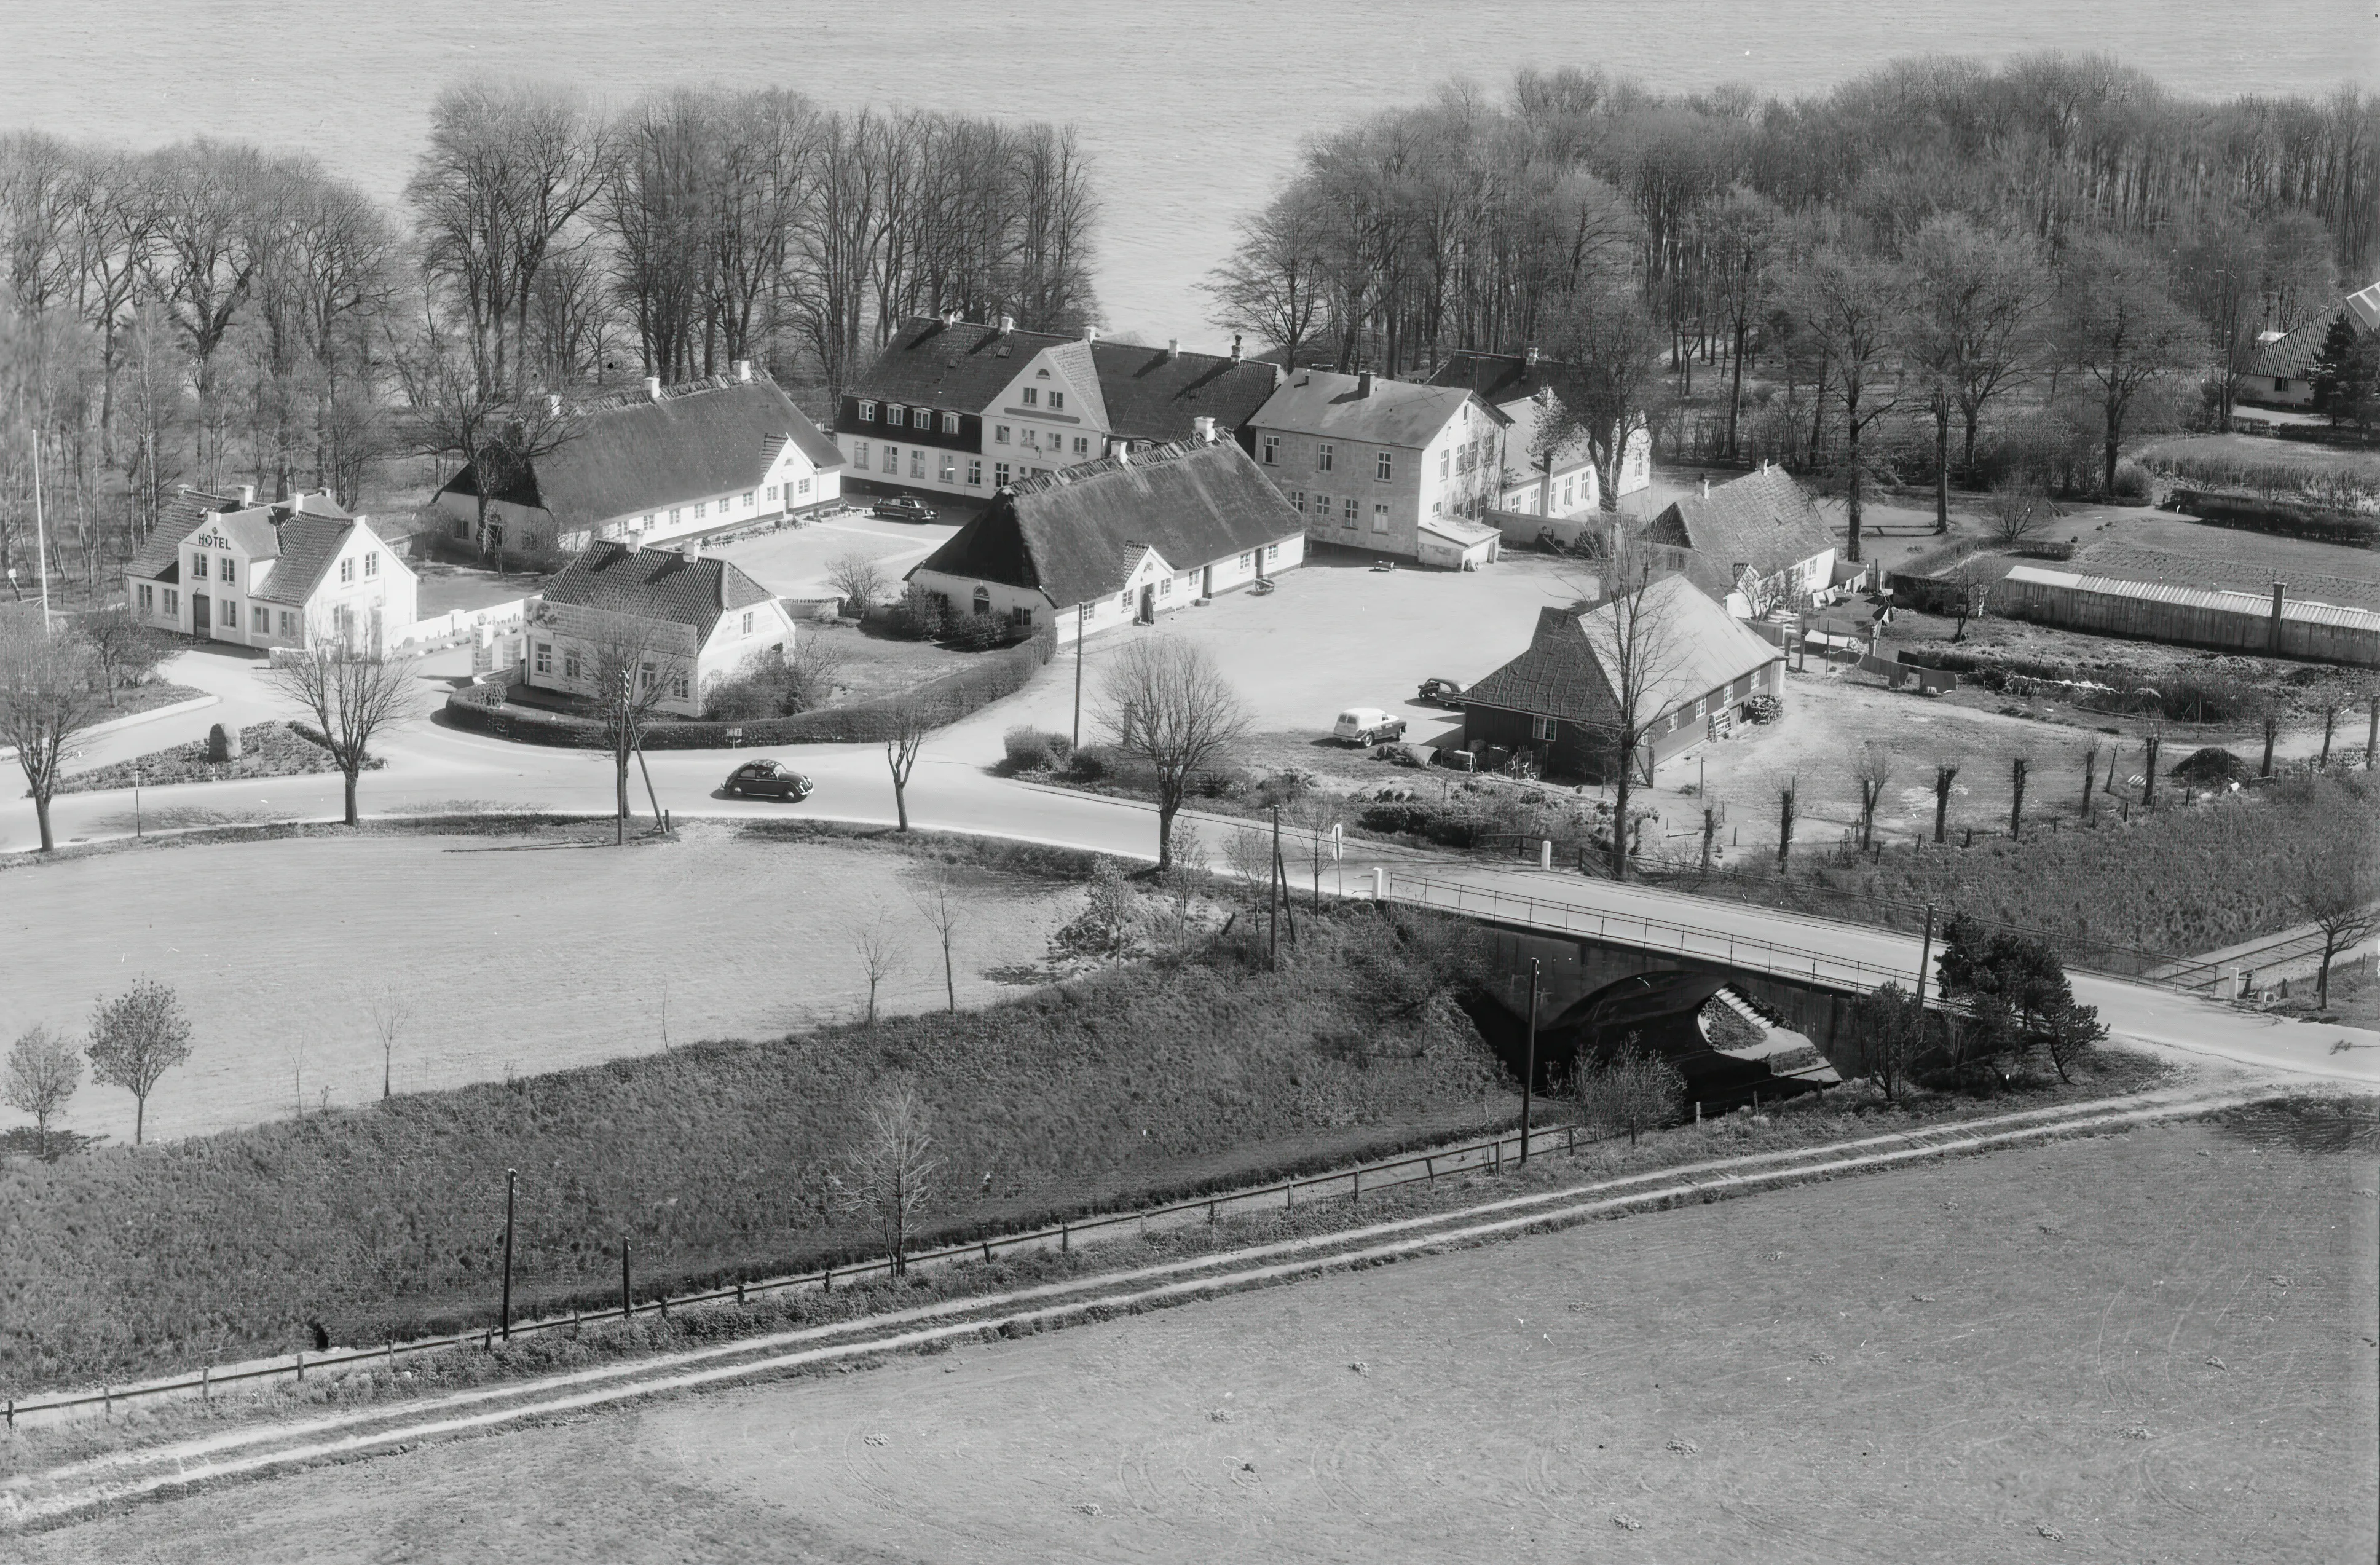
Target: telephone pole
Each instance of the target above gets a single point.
(1529, 1075)
(1078, 676)
(504, 1315)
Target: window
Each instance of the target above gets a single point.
(1165, 588)
(1383, 466)
(1272, 553)
(1246, 559)
(347, 571)
(1271, 450)
(647, 525)
(975, 473)
(1541, 728)
(1380, 519)
(1570, 489)
(804, 487)
(198, 567)
(950, 423)
(1321, 506)
(1000, 435)
(1297, 499)
(1349, 510)
(868, 412)
(1033, 439)
(1000, 475)
(916, 461)
(1057, 402)
(2280, 383)
(147, 597)
(949, 468)
(1701, 709)
(678, 511)
(545, 659)
(747, 498)
(173, 602)
(570, 664)
(371, 563)
(678, 687)
(893, 459)
(1438, 508)
(1033, 396)
(289, 625)
(645, 673)
(896, 415)
(1323, 457)
(1082, 445)
(858, 459)
(1443, 458)
(747, 623)
(229, 570)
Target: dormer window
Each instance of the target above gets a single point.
(868, 412)
(950, 423)
(896, 415)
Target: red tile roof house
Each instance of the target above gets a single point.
(1558, 701)
(1119, 540)
(660, 464)
(275, 573)
(706, 618)
(954, 407)
(1754, 543)
(2280, 372)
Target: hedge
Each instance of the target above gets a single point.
(2258, 514)
(483, 709)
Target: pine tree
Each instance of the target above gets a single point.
(2346, 374)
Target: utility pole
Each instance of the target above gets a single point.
(1273, 897)
(505, 1315)
(1529, 1077)
(625, 1312)
(41, 534)
(1926, 956)
(1078, 676)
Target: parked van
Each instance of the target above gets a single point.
(1367, 725)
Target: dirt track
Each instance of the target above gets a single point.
(2154, 1346)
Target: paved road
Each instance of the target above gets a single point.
(954, 788)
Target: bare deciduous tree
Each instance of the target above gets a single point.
(1944, 774)
(1631, 1092)
(41, 1073)
(945, 913)
(913, 719)
(1603, 358)
(859, 580)
(2341, 900)
(2017, 513)
(887, 1178)
(1854, 310)
(1165, 702)
(126, 650)
(391, 1009)
(1976, 295)
(1974, 577)
(2120, 330)
(136, 1038)
(1892, 1030)
(48, 693)
(352, 695)
(1631, 630)
(879, 955)
(1872, 767)
(629, 668)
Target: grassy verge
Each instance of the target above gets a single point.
(267, 750)
(1846, 1114)
(714, 1161)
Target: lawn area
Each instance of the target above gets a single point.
(2258, 451)
(521, 954)
(794, 561)
(147, 698)
(445, 587)
(2154, 1346)
(714, 1158)
(267, 750)
(872, 664)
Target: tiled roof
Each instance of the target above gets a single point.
(250, 527)
(1762, 519)
(655, 584)
(1400, 413)
(1499, 379)
(634, 455)
(1077, 533)
(1153, 394)
(2291, 355)
(310, 545)
(958, 366)
(1698, 647)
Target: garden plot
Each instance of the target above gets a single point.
(518, 955)
(2154, 1346)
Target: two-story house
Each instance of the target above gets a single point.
(1754, 543)
(957, 408)
(1392, 468)
(657, 464)
(1556, 482)
(281, 573)
(690, 621)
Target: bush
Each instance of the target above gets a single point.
(2281, 518)
(1409, 817)
(2212, 768)
(1092, 763)
(2131, 481)
(1035, 749)
(977, 633)
(919, 614)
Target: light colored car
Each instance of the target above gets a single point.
(1367, 725)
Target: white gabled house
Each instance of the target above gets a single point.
(659, 464)
(1557, 483)
(281, 573)
(705, 620)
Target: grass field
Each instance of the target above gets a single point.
(2158, 1346)
(715, 1159)
(519, 955)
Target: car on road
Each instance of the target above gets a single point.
(1443, 691)
(1365, 726)
(903, 508)
(767, 779)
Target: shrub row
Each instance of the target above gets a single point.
(2258, 513)
(482, 708)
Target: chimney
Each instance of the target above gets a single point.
(2280, 596)
(247, 495)
(553, 404)
(1173, 348)
(950, 317)
(652, 388)
(743, 367)
(1362, 383)
(1007, 324)
(1090, 334)
(1705, 487)
(1124, 454)
(1529, 356)
(1204, 429)
(1235, 347)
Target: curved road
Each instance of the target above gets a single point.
(432, 767)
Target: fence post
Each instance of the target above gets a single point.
(301, 1366)
(1359, 1184)
(1065, 1237)
(106, 1404)
(12, 1413)
(986, 1252)
(206, 1382)
(739, 1293)
(1430, 1170)
(826, 1280)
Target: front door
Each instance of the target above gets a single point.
(1207, 582)
(1148, 603)
(201, 613)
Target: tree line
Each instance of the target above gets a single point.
(1908, 249)
(212, 313)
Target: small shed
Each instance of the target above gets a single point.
(1455, 544)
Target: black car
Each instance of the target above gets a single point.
(767, 779)
(904, 508)
(1443, 691)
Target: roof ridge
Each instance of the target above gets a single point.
(611, 401)
(1098, 466)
